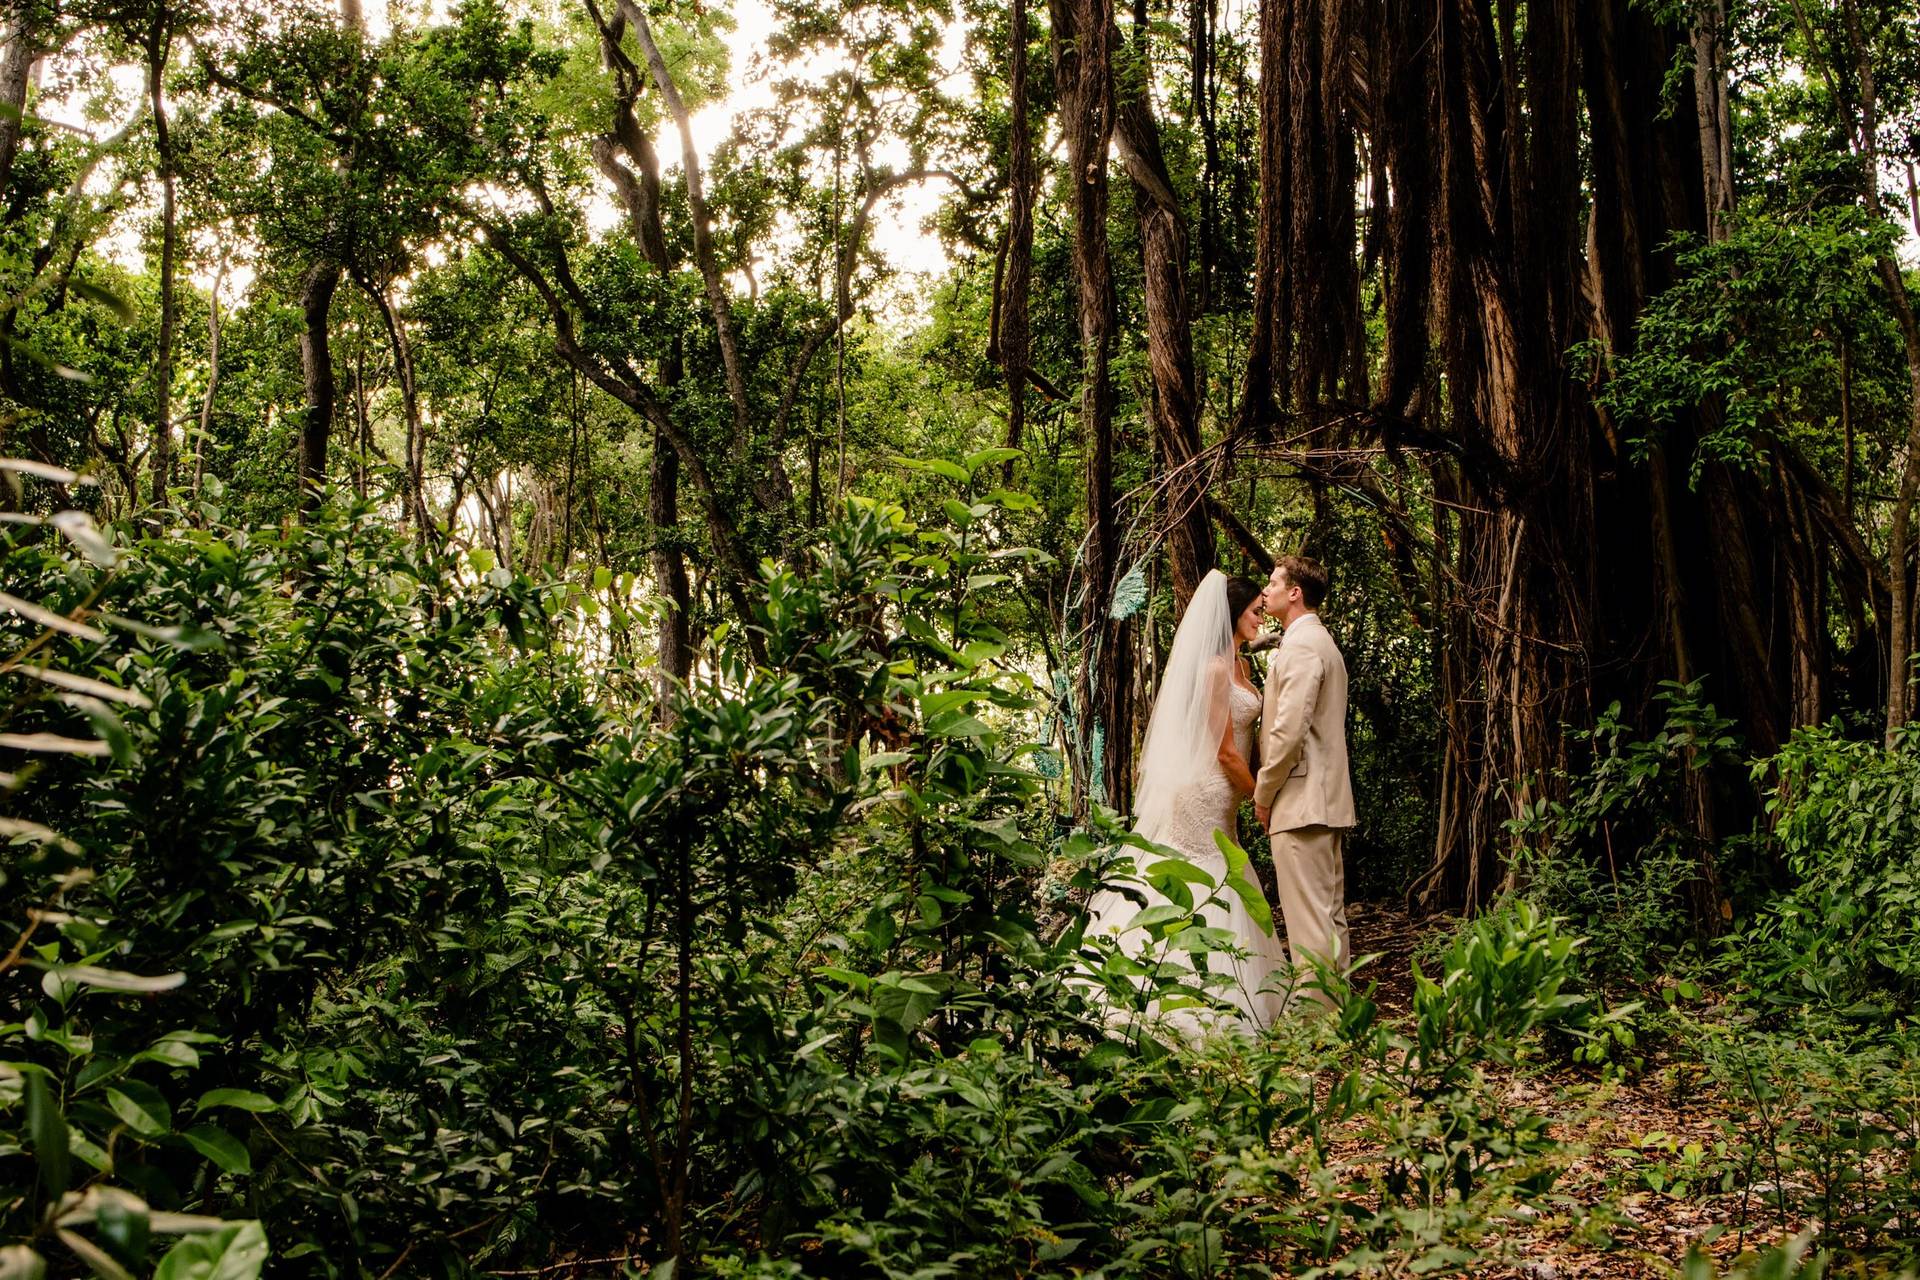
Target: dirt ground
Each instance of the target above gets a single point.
(1620, 1138)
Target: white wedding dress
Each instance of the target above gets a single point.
(1185, 797)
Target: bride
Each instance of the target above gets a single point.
(1195, 766)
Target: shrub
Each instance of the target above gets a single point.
(1844, 817)
(1617, 854)
(104, 1162)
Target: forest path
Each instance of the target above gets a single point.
(1619, 1137)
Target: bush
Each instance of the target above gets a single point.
(104, 1164)
(1616, 856)
(1844, 817)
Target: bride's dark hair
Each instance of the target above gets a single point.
(1241, 592)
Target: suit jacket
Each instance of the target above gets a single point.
(1303, 733)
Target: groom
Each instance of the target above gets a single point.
(1303, 796)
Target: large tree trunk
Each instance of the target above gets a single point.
(1646, 185)
(1307, 349)
(1083, 71)
(1864, 117)
(1506, 269)
(1176, 399)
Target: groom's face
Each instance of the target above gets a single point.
(1278, 593)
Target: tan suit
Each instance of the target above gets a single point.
(1304, 781)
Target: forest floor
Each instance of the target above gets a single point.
(1619, 1137)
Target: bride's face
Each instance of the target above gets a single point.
(1247, 625)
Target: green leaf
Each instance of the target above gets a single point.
(122, 1221)
(1151, 917)
(173, 1053)
(241, 1099)
(102, 1262)
(1177, 869)
(221, 1147)
(103, 297)
(1130, 593)
(235, 1252)
(1011, 499)
(87, 975)
(1240, 880)
(48, 1129)
(938, 466)
(847, 977)
(989, 457)
(141, 1107)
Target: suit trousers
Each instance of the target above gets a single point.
(1309, 869)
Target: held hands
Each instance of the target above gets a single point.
(1262, 814)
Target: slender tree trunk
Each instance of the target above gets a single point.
(1083, 72)
(638, 184)
(1848, 447)
(205, 440)
(363, 424)
(160, 459)
(316, 368)
(316, 352)
(1176, 400)
(1013, 336)
(1863, 120)
(1403, 87)
(1265, 366)
(1714, 112)
(621, 381)
(675, 639)
(16, 73)
(1202, 59)
(402, 352)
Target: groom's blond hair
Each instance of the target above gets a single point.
(1305, 573)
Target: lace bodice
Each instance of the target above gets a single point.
(1243, 705)
(1209, 804)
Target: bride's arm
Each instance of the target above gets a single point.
(1232, 763)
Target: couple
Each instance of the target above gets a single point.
(1212, 740)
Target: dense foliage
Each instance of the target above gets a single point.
(387, 928)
